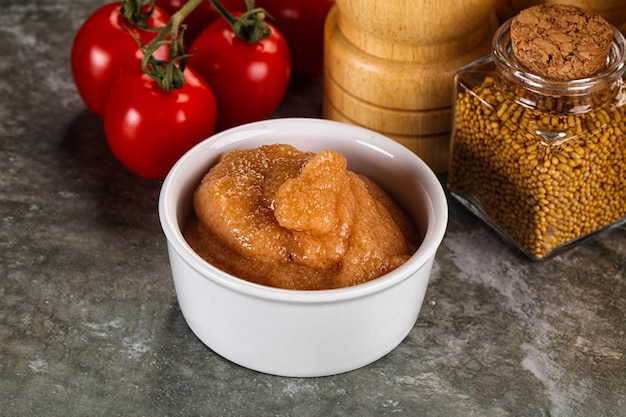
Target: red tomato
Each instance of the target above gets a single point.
(302, 24)
(249, 79)
(103, 49)
(148, 129)
(202, 16)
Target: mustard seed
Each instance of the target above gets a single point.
(543, 188)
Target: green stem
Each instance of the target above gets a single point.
(169, 74)
(131, 10)
(250, 26)
(182, 13)
(223, 11)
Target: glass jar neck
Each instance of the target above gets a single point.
(570, 96)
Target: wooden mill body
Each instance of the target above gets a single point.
(390, 65)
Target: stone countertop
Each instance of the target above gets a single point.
(90, 326)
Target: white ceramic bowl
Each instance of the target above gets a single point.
(305, 333)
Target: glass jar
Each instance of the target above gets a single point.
(542, 161)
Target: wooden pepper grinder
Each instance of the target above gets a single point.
(390, 64)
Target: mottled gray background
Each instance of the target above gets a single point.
(89, 324)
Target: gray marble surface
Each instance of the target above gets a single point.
(89, 323)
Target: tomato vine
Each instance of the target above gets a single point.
(250, 27)
(136, 13)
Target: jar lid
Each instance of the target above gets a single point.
(503, 56)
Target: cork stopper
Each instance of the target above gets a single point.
(561, 42)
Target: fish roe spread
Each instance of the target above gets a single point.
(280, 217)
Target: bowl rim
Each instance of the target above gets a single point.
(437, 208)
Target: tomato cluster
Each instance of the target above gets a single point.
(300, 21)
(104, 49)
(202, 16)
(227, 80)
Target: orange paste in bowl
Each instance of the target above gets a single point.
(297, 220)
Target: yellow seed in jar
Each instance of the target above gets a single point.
(503, 111)
(563, 167)
(579, 127)
(604, 139)
(602, 115)
(542, 193)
